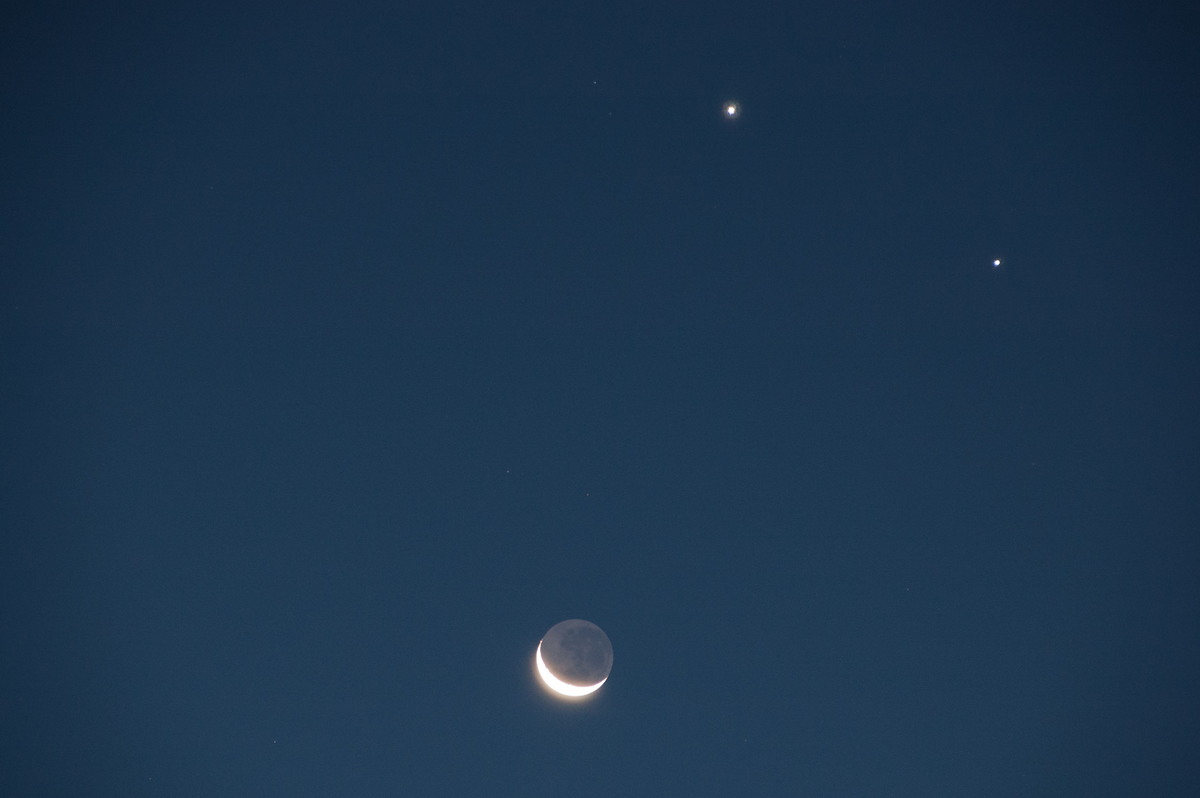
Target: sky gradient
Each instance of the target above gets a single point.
(348, 348)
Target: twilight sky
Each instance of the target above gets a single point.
(347, 347)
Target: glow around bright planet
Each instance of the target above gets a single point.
(574, 658)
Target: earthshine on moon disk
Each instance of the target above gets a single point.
(574, 658)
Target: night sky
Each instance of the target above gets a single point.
(347, 347)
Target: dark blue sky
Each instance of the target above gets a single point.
(348, 347)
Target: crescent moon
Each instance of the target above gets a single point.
(561, 687)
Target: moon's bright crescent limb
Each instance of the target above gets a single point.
(558, 685)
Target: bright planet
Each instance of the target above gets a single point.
(574, 658)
